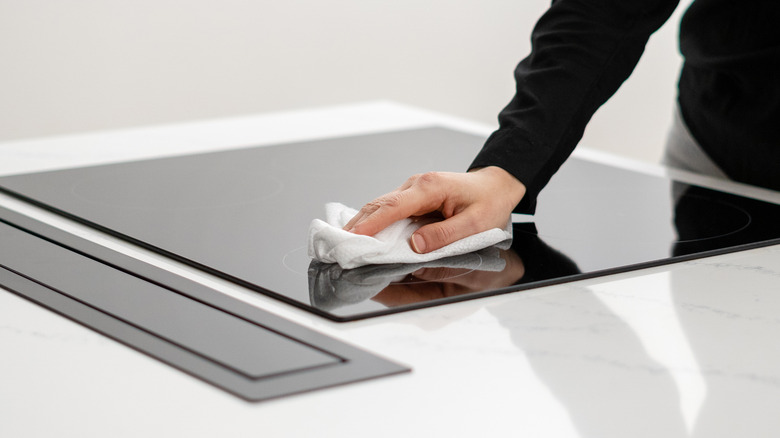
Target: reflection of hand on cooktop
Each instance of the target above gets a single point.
(332, 287)
(430, 283)
(528, 260)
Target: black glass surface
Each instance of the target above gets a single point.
(244, 214)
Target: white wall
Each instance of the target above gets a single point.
(79, 65)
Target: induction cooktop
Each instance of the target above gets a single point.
(243, 215)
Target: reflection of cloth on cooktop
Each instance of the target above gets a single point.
(332, 287)
(329, 243)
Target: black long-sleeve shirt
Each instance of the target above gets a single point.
(583, 50)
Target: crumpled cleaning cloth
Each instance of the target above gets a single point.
(328, 243)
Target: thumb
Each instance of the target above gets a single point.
(439, 234)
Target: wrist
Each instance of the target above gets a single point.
(511, 188)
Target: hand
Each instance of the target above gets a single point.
(469, 202)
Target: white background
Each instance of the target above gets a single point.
(80, 65)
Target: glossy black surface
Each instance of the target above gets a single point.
(244, 214)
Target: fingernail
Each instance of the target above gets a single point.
(418, 243)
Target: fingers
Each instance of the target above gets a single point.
(411, 199)
(439, 234)
(378, 214)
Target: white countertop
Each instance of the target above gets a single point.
(688, 349)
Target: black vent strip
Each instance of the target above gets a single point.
(351, 365)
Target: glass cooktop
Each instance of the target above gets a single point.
(243, 214)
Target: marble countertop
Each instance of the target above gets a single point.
(675, 351)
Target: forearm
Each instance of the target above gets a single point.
(582, 52)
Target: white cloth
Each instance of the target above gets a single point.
(329, 243)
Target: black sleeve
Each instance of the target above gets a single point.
(582, 51)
